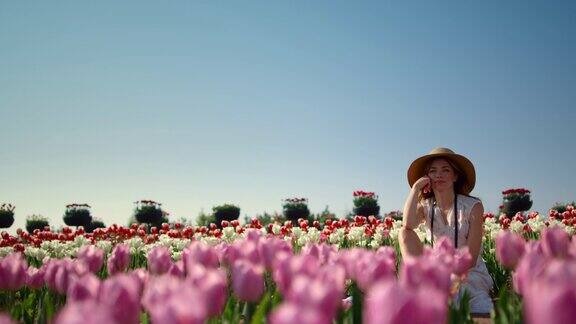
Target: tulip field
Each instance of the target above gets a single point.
(338, 272)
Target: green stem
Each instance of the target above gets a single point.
(249, 309)
(356, 304)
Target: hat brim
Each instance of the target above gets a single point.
(417, 169)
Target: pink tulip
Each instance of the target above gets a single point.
(212, 283)
(333, 274)
(51, 266)
(198, 252)
(242, 249)
(35, 277)
(550, 304)
(372, 267)
(159, 260)
(83, 288)
(185, 306)
(272, 247)
(249, 251)
(444, 245)
(253, 235)
(177, 269)
(247, 280)
(349, 260)
(6, 319)
(141, 277)
(391, 302)
(347, 303)
(85, 312)
(550, 298)
(60, 273)
(321, 295)
(290, 313)
(287, 266)
(462, 261)
(229, 254)
(325, 253)
(509, 248)
(121, 293)
(426, 271)
(532, 265)
(159, 288)
(119, 259)
(13, 271)
(555, 242)
(169, 299)
(386, 252)
(92, 256)
(572, 249)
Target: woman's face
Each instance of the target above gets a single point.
(442, 175)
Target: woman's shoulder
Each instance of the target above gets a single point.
(469, 201)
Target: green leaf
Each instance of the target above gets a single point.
(508, 308)
(357, 301)
(460, 312)
(262, 309)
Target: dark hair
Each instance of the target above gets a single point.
(458, 185)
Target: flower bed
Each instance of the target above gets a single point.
(344, 271)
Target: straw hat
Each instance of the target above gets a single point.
(417, 168)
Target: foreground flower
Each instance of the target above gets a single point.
(247, 280)
(212, 283)
(391, 302)
(5, 319)
(555, 242)
(532, 264)
(551, 297)
(159, 260)
(119, 259)
(35, 277)
(509, 248)
(13, 272)
(76, 313)
(121, 294)
(289, 313)
(323, 295)
(92, 256)
(85, 287)
(184, 306)
(170, 299)
(463, 261)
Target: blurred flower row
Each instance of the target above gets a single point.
(347, 271)
(258, 277)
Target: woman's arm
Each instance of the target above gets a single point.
(410, 244)
(413, 213)
(476, 231)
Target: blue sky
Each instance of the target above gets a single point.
(195, 104)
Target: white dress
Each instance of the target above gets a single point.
(478, 282)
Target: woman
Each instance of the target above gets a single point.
(441, 182)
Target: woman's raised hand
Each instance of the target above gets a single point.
(422, 184)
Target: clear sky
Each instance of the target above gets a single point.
(195, 103)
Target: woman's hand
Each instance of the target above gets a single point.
(422, 184)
